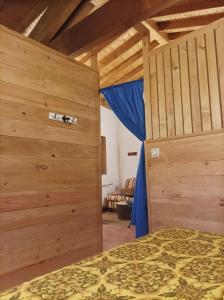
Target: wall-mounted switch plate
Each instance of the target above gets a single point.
(155, 152)
(62, 118)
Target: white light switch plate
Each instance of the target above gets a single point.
(155, 152)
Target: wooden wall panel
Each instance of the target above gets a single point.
(186, 182)
(193, 68)
(50, 171)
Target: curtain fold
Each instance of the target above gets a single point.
(126, 101)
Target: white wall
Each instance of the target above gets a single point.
(119, 141)
(127, 142)
(109, 129)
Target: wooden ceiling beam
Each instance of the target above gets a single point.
(195, 6)
(161, 37)
(19, 14)
(186, 24)
(107, 22)
(53, 19)
(82, 11)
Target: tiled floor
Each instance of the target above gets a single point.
(115, 231)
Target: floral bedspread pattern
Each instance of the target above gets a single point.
(173, 264)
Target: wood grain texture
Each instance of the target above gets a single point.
(186, 183)
(146, 70)
(128, 13)
(194, 91)
(53, 19)
(50, 171)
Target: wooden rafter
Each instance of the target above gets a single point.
(86, 35)
(18, 14)
(79, 14)
(194, 6)
(55, 16)
(188, 23)
(161, 37)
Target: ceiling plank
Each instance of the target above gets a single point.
(52, 20)
(126, 63)
(131, 42)
(112, 19)
(121, 67)
(161, 37)
(131, 74)
(195, 6)
(188, 23)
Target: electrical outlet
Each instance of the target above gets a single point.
(155, 152)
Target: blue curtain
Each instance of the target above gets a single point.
(126, 101)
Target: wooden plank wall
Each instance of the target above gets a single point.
(49, 171)
(187, 84)
(187, 183)
(184, 110)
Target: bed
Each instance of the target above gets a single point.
(169, 264)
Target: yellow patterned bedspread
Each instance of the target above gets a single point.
(170, 264)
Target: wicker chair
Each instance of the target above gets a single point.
(125, 194)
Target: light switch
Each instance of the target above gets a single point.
(62, 118)
(155, 152)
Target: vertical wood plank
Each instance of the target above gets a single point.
(148, 110)
(220, 57)
(203, 83)
(169, 94)
(161, 96)
(213, 80)
(185, 88)
(148, 187)
(177, 91)
(146, 71)
(194, 86)
(154, 98)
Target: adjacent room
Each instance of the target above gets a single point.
(111, 149)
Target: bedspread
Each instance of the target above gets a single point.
(173, 264)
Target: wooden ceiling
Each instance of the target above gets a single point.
(111, 29)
